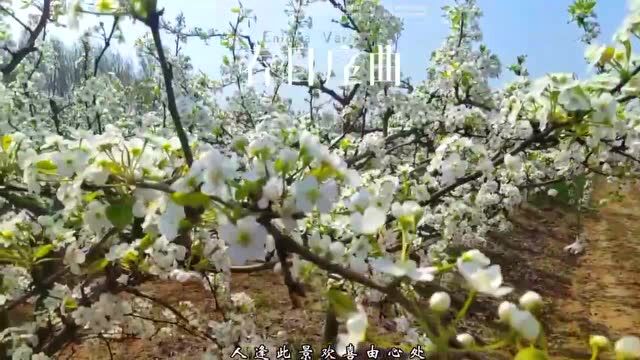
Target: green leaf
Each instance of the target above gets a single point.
(531, 354)
(235, 10)
(202, 265)
(120, 214)
(345, 144)
(46, 166)
(143, 8)
(627, 47)
(194, 199)
(342, 303)
(129, 259)
(70, 303)
(91, 196)
(6, 142)
(281, 166)
(147, 242)
(11, 256)
(323, 172)
(42, 251)
(249, 188)
(97, 266)
(111, 166)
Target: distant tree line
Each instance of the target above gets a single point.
(73, 64)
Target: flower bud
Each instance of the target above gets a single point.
(628, 347)
(440, 301)
(525, 324)
(466, 340)
(504, 310)
(530, 300)
(598, 342)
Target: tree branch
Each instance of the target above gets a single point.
(29, 47)
(153, 21)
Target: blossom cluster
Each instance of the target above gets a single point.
(111, 191)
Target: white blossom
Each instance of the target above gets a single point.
(530, 300)
(628, 347)
(525, 324)
(246, 239)
(356, 328)
(368, 222)
(310, 194)
(465, 339)
(440, 301)
(403, 268)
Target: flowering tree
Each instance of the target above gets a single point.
(115, 185)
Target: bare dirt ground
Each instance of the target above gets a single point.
(597, 292)
(604, 292)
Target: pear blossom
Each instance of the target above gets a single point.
(74, 11)
(488, 281)
(443, 161)
(472, 260)
(169, 221)
(530, 300)
(406, 213)
(598, 54)
(605, 107)
(440, 301)
(408, 208)
(403, 268)
(94, 174)
(271, 192)
(474, 267)
(356, 329)
(214, 170)
(360, 200)
(628, 347)
(525, 324)
(368, 222)
(288, 159)
(466, 340)
(96, 217)
(70, 162)
(117, 251)
(453, 168)
(319, 243)
(243, 302)
(505, 309)
(574, 99)
(310, 194)
(246, 239)
(513, 162)
(74, 257)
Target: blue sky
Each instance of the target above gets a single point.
(538, 28)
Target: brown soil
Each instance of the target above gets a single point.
(604, 296)
(597, 292)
